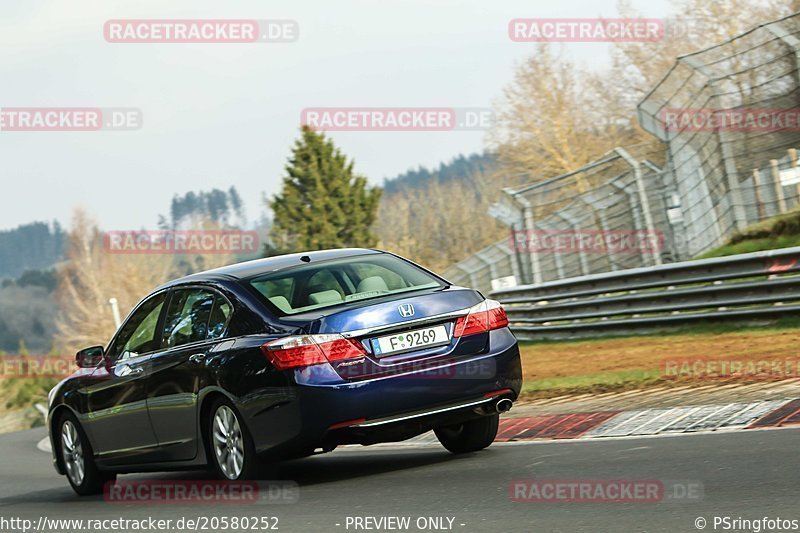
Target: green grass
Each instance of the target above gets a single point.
(782, 231)
(754, 245)
(595, 365)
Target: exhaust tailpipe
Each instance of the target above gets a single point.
(503, 405)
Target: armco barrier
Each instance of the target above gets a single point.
(746, 288)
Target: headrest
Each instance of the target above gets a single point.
(281, 303)
(373, 283)
(325, 297)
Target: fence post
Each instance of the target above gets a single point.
(512, 258)
(780, 196)
(793, 162)
(530, 227)
(557, 258)
(637, 223)
(114, 303)
(757, 190)
(585, 269)
(734, 187)
(600, 215)
(515, 249)
(643, 201)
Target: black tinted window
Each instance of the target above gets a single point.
(187, 317)
(220, 318)
(195, 315)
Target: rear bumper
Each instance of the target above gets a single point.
(393, 408)
(402, 426)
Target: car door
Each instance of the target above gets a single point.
(117, 416)
(196, 321)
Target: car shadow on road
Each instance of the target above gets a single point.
(346, 465)
(332, 467)
(315, 470)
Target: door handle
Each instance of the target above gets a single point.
(197, 358)
(137, 370)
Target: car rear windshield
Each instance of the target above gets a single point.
(316, 286)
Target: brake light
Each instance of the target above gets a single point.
(305, 350)
(485, 316)
(497, 315)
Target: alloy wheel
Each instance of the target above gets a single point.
(228, 442)
(72, 453)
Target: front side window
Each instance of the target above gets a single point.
(138, 334)
(330, 283)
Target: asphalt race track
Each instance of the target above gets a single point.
(748, 474)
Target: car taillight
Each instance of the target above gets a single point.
(306, 350)
(497, 315)
(485, 316)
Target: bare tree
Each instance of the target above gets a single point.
(553, 118)
(556, 115)
(90, 276)
(440, 223)
(697, 24)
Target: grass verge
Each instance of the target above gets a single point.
(556, 368)
(782, 231)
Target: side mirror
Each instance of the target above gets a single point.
(90, 357)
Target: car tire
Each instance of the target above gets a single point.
(470, 436)
(78, 458)
(231, 453)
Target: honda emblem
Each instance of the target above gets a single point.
(406, 310)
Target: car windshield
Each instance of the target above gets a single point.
(316, 286)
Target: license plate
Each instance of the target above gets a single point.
(410, 340)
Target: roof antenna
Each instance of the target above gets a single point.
(305, 259)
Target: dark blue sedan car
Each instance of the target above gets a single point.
(285, 357)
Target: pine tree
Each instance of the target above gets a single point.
(322, 204)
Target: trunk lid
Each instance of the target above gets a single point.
(418, 312)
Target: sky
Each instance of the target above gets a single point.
(216, 115)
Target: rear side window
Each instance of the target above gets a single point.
(220, 318)
(195, 315)
(310, 287)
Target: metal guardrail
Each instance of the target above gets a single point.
(745, 288)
